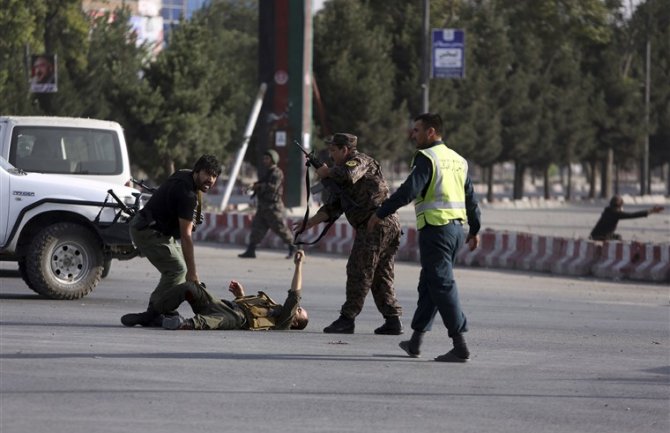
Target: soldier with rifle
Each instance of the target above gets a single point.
(270, 213)
(356, 187)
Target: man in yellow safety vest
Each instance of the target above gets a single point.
(443, 199)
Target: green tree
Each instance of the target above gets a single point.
(19, 21)
(356, 77)
(37, 26)
(616, 110)
(651, 22)
(203, 83)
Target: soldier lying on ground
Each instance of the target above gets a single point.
(244, 312)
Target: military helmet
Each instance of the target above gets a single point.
(274, 156)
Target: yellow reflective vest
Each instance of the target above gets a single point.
(444, 199)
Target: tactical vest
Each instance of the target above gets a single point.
(258, 310)
(444, 199)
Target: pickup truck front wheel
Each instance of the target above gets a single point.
(65, 261)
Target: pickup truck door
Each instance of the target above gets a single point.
(4, 203)
(16, 194)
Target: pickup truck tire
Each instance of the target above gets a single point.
(65, 261)
(107, 266)
(23, 271)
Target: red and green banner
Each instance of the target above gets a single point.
(285, 64)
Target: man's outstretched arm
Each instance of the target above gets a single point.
(292, 302)
(298, 258)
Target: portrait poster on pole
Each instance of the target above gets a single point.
(44, 73)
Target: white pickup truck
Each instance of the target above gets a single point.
(60, 230)
(57, 217)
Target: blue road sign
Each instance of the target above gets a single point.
(448, 53)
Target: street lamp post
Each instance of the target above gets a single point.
(425, 57)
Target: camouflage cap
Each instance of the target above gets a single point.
(342, 139)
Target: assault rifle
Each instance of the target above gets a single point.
(312, 159)
(143, 185)
(331, 187)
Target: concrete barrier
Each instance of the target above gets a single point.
(660, 271)
(504, 250)
(552, 253)
(409, 245)
(578, 257)
(613, 253)
(536, 249)
(487, 243)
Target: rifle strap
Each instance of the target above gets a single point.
(197, 220)
(306, 217)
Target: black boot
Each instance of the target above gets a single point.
(146, 318)
(343, 325)
(177, 322)
(250, 253)
(291, 251)
(459, 353)
(413, 345)
(392, 326)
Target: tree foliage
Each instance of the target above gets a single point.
(548, 82)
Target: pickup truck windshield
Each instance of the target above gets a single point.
(62, 150)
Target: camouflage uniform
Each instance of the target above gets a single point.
(212, 313)
(370, 264)
(270, 213)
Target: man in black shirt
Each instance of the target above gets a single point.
(606, 225)
(168, 216)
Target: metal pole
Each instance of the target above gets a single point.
(645, 181)
(251, 123)
(425, 58)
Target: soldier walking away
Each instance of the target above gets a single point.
(443, 198)
(169, 216)
(270, 213)
(361, 188)
(606, 225)
(253, 312)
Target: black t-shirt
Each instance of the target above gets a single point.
(606, 225)
(176, 198)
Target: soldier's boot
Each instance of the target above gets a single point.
(343, 325)
(178, 322)
(413, 346)
(392, 326)
(145, 318)
(250, 253)
(291, 251)
(459, 353)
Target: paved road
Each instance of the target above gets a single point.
(549, 355)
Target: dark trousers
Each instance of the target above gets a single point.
(165, 253)
(269, 218)
(438, 292)
(370, 268)
(210, 311)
